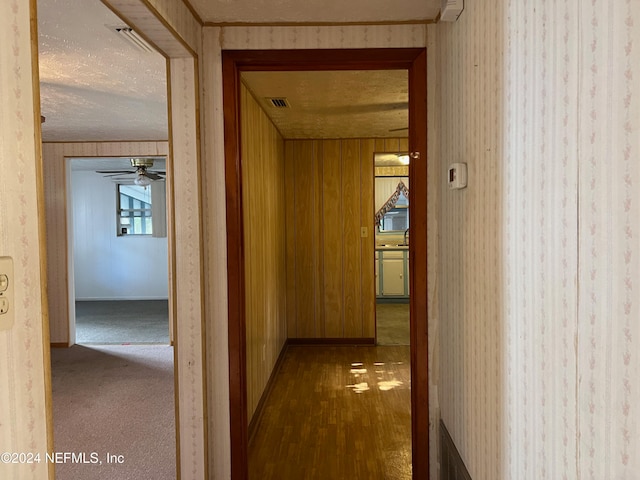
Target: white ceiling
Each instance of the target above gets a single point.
(95, 87)
(113, 163)
(334, 11)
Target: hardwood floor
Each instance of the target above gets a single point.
(336, 412)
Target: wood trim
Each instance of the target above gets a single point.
(257, 415)
(419, 292)
(235, 270)
(323, 59)
(42, 227)
(67, 142)
(193, 11)
(331, 341)
(425, 21)
(452, 465)
(171, 246)
(411, 59)
(59, 345)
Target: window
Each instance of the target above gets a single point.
(396, 219)
(134, 210)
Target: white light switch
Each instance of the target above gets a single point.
(7, 310)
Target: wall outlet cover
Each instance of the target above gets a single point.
(7, 298)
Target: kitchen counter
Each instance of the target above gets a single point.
(392, 248)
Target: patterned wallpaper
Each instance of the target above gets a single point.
(24, 388)
(470, 286)
(538, 257)
(609, 224)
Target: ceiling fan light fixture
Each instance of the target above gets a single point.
(403, 159)
(142, 180)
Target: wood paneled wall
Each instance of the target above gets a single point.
(330, 266)
(263, 196)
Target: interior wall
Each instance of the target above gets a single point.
(608, 126)
(471, 226)
(264, 197)
(25, 388)
(57, 202)
(107, 266)
(539, 376)
(330, 265)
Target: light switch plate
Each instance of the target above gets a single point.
(7, 298)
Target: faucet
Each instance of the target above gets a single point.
(406, 233)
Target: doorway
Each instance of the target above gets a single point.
(412, 60)
(392, 219)
(120, 251)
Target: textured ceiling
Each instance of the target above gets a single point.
(94, 85)
(112, 163)
(343, 104)
(314, 11)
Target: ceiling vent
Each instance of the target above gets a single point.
(451, 10)
(279, 102)
(129, 35)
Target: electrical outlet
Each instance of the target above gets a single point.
(7, 300)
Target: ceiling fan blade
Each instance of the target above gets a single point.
(152, 176)
(111, 173)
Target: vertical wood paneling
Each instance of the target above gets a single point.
(305, 168)
(290, 225)
(351, 273)
(318, 236)
(333, 205)
(367, 244)
(265, 237)
(331, 184)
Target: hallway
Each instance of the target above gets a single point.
(336, 412)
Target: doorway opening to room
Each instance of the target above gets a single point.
(325, 178)
(110, 397)
(392, 214)
(117, 217)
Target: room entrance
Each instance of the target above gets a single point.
(412, 60)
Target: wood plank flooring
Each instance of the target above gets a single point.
(336, 412)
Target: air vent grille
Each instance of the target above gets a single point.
(279, 102)
(130, 36)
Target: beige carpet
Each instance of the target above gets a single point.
(116, 400)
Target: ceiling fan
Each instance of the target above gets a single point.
(141, 170)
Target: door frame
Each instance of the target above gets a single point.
(413, 60)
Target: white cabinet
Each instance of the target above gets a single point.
(391, 270)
